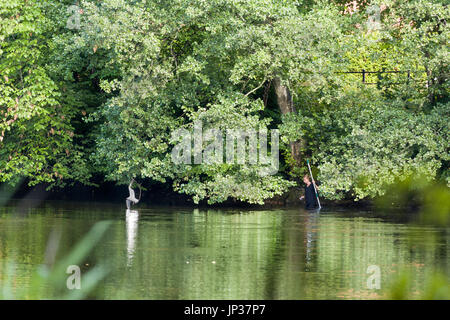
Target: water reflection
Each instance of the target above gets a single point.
(271, 254)
(132, 218)
(311, 230)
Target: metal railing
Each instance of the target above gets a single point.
(364, 73)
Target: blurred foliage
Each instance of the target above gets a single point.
(430, 199)
(437, 287)
(433, 203)
(49, 281)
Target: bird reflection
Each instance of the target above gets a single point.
(132, 218)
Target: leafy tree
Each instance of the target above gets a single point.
(36, 133)
(201, 61)
(371, 135)
(100, 102)
(363, 146)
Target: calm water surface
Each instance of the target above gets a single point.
(186, 253)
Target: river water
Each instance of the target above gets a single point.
(188, 253)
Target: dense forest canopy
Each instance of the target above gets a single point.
(91, 91)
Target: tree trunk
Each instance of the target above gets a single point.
(284, 97)
(286, 105)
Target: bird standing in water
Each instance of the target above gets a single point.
(132, 197)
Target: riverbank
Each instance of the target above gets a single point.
(156, 195)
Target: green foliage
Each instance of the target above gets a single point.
(369, 136)
(437, 288)
(365, 145)
(211, 58)
(36, 131)
(102, 100)
(420, 32)
(49, 282)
